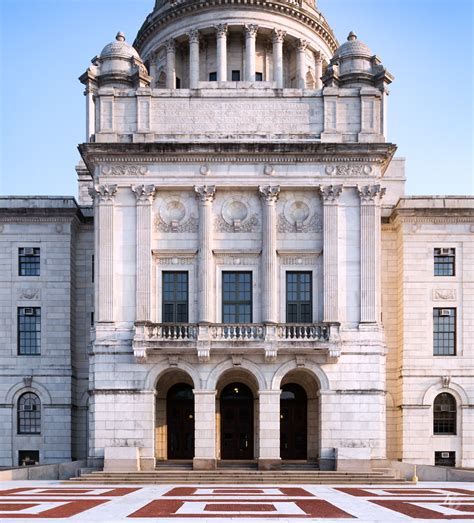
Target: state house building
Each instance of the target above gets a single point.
(242, 276)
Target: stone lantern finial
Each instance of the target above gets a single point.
(120, 37)
(352, 36)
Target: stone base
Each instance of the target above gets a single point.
(204, 464)
(269, 464)
(326, 464)
(353, 460)
(121, 459)
(147, 463)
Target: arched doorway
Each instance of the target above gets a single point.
(293, 422)
(180, 421)
(236, 412)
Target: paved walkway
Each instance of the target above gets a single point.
(47, 500)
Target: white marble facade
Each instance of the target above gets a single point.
(238, 139)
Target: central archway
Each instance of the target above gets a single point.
(237, 422)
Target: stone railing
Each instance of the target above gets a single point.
(303, 332)
(171, 331)
(237, 332)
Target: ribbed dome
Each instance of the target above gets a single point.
(120, 49)
(353, 47)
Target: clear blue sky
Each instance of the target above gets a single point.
(47, 44)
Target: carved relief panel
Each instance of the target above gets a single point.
(237, 212)
(175, 212)
(299, 212)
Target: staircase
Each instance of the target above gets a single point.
(239, 476)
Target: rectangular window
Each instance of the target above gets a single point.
(299, 297)
(213, 77)
(444, 332)
(237, 297)
(29, 331)
(444, 262)
(27, 458)
(445, 459)
(259, 77)
(236, 76)
(175, 297)
(29, 261)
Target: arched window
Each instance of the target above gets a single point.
(29, 414)
(444, 415)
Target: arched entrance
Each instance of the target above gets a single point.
(293, 422)
(180, 421)
(237, 422)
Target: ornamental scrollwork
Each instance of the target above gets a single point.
(102, 193)
(190, 225)
(248, 225)
(125, 170)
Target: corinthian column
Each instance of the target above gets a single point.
(301, 63)
(206, 288)
(278, 37)
(193, 36)
(269, 197)
(221, 52)
(329, 196)
(170, 64)
(370, 197)
(103, 196)
(250, 38)
(144, 195)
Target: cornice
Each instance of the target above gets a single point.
(430, 215)
(247, 152)
(157, 21)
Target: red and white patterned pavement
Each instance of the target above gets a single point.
(46, 500)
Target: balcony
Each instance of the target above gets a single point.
(310, 338)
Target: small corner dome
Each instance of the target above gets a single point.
(119, 49)
(353, 47)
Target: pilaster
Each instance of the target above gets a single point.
(370, 197)
(103, 197)
(205, 195)
(144, 195)
(269, 196)
(329, 196)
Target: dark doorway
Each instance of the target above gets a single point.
(293, 422)
(180, 421)
(236, 422)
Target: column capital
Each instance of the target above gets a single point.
(278, 36)
(251, 30)
(371, 193)
(170, 45)
(269, 193)
(318, 57)
(221, 30)
(301, 45)
(102, 193)
(205, 193)
(144, 193)
(330, 193)
(193, 35)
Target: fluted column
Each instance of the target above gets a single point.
(193, 36)
(221, 52)
(269, 196)
(144, 195)
(278, 37)
(319, 71)
(329, 196)
(370, 197)
(170, 64)
(250, 38)
(301, 46)
(103, 196)
(206, 288)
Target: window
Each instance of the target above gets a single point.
(27, 458)
(259, 77)
(237, 297)
(445, 459)
(175, 297)
(213, 77)
(236, 76)
(444, 262)
(29, 414)
(444, 415)
(29, 261)
(444, 332)
(178, 83)
(299, 306)
(29, 331)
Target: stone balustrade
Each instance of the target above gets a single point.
(238, 332)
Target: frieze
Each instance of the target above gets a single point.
(125, 170)
(299, 260)
(174, 261)
(349, 170)
(444, 294)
